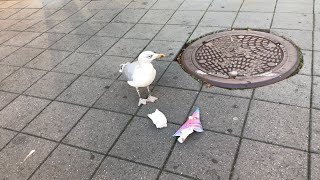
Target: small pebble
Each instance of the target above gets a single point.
(236, 119)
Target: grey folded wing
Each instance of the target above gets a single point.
(129, 69)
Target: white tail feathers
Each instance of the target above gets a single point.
(123, 66)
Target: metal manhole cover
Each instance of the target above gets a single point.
(240, 59)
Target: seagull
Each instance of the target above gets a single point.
(141, 73)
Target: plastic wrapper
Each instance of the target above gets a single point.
(158, 118)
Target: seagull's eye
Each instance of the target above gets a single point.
(150, 56)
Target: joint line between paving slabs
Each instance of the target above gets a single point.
(274, 12)
(237, 14)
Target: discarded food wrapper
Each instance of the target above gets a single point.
(192, 124)
(158, 118)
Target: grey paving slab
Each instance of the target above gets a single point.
(22, 25)
(5, 13)
(204, 155)
(97, 45)
(56, 4)
(108, 4)
(85, 90)
(45, 40)
(157, 16)
(195, 5)
(21, 4)
(21, 56)
(307, 62)
(143, 31)
(175, 33)
(42, 14)
(264, 161)
(23, 13)
(303, 39)
(128, 47)
(170, 176)
(293, 21)
(20, 80)
(130, 15)
(97, 130)
(293, 91)
(113, 168)
(258, 5)
(7, 23)
(222, 113)
(5, 137)
(43, 26)
(316, 63)
(316, 93)
(22, 38)
(5, 99)
(89, 27)
(294, 7)
(76, 63)
(120, 97)
(315, 134)
(316, 40)
(12, 165)
(246, 93)
(6, 35)
(75, 4)
(115, 29)
(134, 144)
(106, 15)
(315, 166)
(107, 67)
(65, 27)
(21, 111)
(56, 120)
(203, 30)
(6, 71)
(83, 15)
(51, 85)
(316, 22)
(174, 103)
(8, 4)
(48, 59)
(62, 14)
(317, 7)
(253, 20)
(141, 4)
(228, 5)
(169, 48)
(219, 19)
(68, 163)
(167, 4)
(186, 17)
(278, 124)
(175, 76)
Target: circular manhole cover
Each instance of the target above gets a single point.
(240, 59)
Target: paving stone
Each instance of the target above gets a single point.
(97, 130)
(253, 20)
(22, 4)
(6, 35)
(56, 4)
(130, 15)
(8, 4)
(70, 42)
(45, 40)
(20, 80)
(186, 17)
(169, 100)
(134, 144)
(22, 38)
(22, 25)
(65, 27)
(167, 4)
(21, 111)
(83, 15)
(195, 5)
(157, 16)
(76, 63)
(6, 136)
(128, 47)
(175, 33)
(143, 31)
(202, 30)
(220, 19)
(115, 29)
(227, 115)
(43, 26)
(42, 14)
(12, 164)
(293, 21)
(316, 22)
(316, 63)
(107, 67)
(21, 56)
(97, 45)
(5, 99)
(75, 4)
(51, 85)
(141, 4)
(113, 168)
(278, 124)
(169, 48)
(212, 161)
(316, 93)
(6, 71)
(315, 135)
(23, 14)
(264, 161)
(120, 97)
(303, 39)
(106, 15)
(48, 59)
(228, 5)
(170, 176)
(5, 13)
(294, 7)
(7, 23)
(246, 93)
(89, 28)
(108, 4)
(315, 166)
(68, 163)
(293, 91)
(62, 14)
(258, 5)
(56, 120)
(317, 40)
(175, 76)
(85, 90)
(307, 63)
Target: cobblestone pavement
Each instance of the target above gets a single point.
(61, 93)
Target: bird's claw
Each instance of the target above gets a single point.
(152, 99)
(142, 101)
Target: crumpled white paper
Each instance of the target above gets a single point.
(184, 134)
(158, 118)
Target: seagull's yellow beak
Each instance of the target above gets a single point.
(160, 56)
